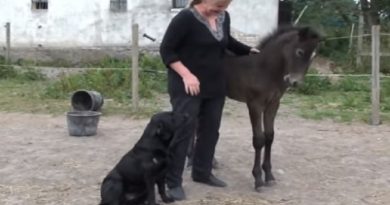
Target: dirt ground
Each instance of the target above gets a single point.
(314, 162)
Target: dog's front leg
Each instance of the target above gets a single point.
(162, 191)
(150, 180)
(150, 188)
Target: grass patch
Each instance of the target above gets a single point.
(26, 90)
(342, 107)
(29, 97)
(17, 96)
(345, 100)
(111, 83)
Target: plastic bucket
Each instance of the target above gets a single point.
(82, 123)
(86, 100)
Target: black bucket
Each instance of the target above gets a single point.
(85, 100)
(82, 123)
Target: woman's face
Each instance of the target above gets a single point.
(215, 7)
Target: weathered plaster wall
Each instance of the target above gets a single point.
(87, 29)
(91, 23)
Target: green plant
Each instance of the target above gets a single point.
(151, 62)
(30, 74)
(115, 82)
(313, 85)
(385, 94)
(7, 72)
(353, 84)
(107, 81)
(109, 62)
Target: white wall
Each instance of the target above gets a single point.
(257, 17)
(86, 23)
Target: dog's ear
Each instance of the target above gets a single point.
(153, 129)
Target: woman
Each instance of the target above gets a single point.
(193, 49)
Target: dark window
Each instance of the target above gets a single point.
(285, 12)
(179, 3)
(39, 4)
(118, 5)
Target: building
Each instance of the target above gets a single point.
(44, 24)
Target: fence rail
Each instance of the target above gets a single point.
(375, 54)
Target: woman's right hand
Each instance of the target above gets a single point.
(191, 84)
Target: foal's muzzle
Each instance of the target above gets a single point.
(292, 81)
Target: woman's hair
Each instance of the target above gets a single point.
(195, 2)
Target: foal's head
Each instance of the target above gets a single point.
(291, 49)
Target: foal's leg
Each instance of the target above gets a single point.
(258, 141)
(269, 119)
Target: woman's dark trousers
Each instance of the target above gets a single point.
(205, 116)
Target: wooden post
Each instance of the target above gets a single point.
(8, 37)
(375, 80)
(134, 63)
(300, 15)
(359, 48)
(388, 40)
(351, 38)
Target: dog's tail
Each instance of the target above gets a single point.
(111, 191)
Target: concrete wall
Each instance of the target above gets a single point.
(80, 23)
(90, 23)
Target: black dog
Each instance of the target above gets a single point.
(133, 179)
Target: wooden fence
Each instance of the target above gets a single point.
(375, 54)
(134, 66)
(375, 65)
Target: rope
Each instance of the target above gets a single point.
(147, 70)
(343, 37)
(5, 65)
(165, 72)
(345, 75)
(355, 36)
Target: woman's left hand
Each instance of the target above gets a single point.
(254, 51)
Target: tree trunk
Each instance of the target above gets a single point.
(374, 4)
(370, 12)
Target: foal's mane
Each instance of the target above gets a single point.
(275, 35)
(282, 33)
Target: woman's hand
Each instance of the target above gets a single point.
(191, 84)
(254, 51)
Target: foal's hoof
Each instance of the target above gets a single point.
(270, 183)
(258, 185)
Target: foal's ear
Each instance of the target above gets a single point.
(307, 33)
(304, 33)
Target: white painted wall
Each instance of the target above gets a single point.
(85, 23)
(259, 17)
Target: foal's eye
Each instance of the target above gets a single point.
(299, 52)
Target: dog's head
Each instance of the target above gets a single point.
(164, 124)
